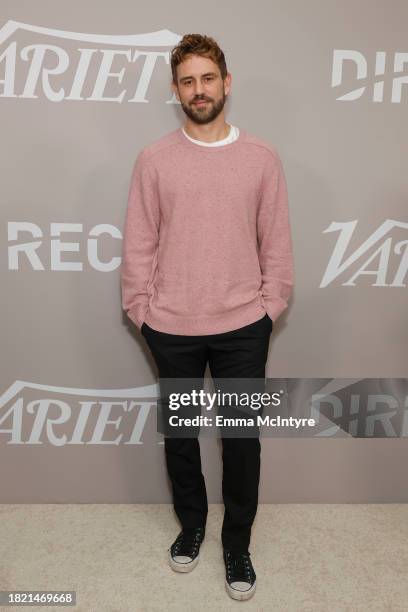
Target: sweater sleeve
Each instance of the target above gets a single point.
(274, 239)
(140, 240)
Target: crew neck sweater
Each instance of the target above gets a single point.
(207, 245)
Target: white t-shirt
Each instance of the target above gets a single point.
(233, 135)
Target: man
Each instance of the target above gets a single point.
(207, 269)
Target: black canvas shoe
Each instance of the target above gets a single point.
(184, 552)
(240, 577)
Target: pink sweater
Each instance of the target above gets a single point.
(207, 245)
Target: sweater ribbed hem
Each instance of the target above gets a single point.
(137, 313)
(274, 307)
(204, 325)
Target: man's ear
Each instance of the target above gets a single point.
(227, 83)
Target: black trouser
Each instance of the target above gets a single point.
(240, 353)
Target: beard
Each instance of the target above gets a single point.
(204, 114)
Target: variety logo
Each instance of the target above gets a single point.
(395, 63)
(89, 416)
(89, 66)
(338, 263)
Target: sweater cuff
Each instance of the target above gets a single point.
(137, 313)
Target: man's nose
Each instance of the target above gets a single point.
(198, 90)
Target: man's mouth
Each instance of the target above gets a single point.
(200, 102)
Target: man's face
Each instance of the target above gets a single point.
(199, 79)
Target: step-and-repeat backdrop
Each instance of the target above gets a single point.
(83, 88)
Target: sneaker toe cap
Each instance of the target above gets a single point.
(182, 559)
(240, 586)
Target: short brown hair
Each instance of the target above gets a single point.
(197, 44)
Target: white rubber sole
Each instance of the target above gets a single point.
(183, 567)
(240, 595)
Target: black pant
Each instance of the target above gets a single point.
(239, 353)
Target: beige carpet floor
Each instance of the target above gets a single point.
(308, 558)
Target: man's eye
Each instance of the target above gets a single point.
(206, 78)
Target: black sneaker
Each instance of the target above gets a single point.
(184, 552)
(240, 578)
